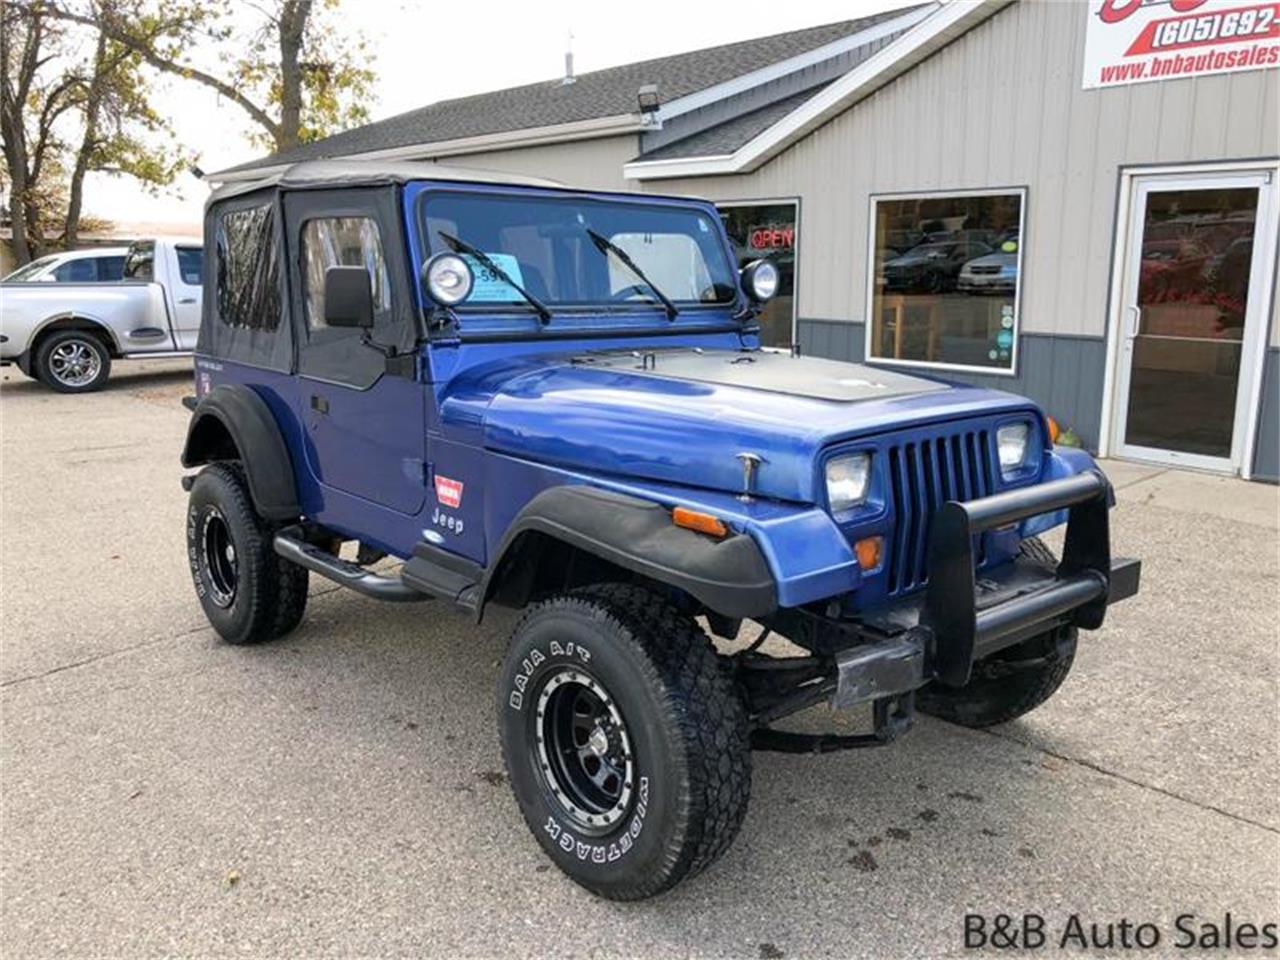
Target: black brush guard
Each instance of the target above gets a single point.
(963, 618)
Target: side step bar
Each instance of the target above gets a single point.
(289, 544)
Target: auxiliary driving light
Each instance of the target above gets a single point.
(449, 279)
(760, 279)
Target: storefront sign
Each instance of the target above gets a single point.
(774, 236)
(1138, 41)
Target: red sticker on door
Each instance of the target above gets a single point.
(448, 492)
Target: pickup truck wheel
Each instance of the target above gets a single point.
(248, 592)
(625, 740)
(72, 361)
(1013, 681)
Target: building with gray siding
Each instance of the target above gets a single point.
(1074, 201)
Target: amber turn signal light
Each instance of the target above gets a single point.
(701, 522)
(1054, 430)
(869, 551)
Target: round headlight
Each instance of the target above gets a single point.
(449, 279)
(760, 280)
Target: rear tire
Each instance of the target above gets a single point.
(999, 691)
(625, 740)
(249, 593)
(72, 361)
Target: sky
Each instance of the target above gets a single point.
(426, 51)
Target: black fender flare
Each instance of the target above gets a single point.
(729, 576)
(236, 411)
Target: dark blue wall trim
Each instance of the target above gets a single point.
(1062, 374)
(1266, 452)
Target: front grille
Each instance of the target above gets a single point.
(985, 269)
(925, 474)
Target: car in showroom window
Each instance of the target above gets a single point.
(944, 283)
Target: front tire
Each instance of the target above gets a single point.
(1013, 681)
(625, 740)
(72, 361)
(248, 592)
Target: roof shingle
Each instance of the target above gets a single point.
(600, 93)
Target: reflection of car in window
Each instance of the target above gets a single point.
(992, 273)
(930, 267)
(1171, 267)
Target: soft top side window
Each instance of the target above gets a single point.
(341, 242)
(248, 271)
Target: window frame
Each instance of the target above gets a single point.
(795, 201)
(1023, 193)
(323, 329)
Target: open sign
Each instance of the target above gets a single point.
(775, 236)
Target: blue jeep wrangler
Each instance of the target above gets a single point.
(556, 401)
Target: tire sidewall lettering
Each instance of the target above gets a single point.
(193, 554)
(570, 650)
(607, 851)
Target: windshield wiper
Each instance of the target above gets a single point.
(607, 246)
(486, 261)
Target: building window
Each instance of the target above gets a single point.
(342, 242)
(248, 274)
(945, 276)
(768, 230)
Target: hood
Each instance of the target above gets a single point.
(683, 415)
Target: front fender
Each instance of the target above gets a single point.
(728, 576)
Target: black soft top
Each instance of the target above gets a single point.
(319, 174)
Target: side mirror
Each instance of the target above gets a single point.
(348, 297)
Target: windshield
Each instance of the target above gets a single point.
(545, 245)
(32, 268)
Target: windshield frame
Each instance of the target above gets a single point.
(597, 317)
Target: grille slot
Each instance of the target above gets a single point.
(923, 475)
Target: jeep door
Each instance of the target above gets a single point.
(359, 402)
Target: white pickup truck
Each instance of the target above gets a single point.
(66, 334)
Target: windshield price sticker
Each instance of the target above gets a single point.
(487, 286)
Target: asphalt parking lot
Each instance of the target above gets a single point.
(341, 792)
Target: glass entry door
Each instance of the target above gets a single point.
(1193, 319)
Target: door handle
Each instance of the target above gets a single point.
(187, 300)
(319, 404)
(1135, 321)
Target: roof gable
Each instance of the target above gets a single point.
(591, 97)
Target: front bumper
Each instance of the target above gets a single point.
(960, 619)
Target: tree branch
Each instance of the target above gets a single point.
(187, 71)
